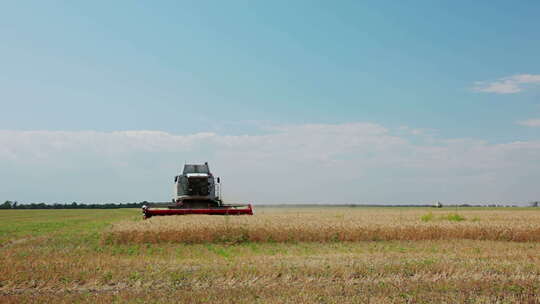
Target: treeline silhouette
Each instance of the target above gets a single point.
(74, 205)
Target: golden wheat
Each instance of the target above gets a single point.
(332, 225)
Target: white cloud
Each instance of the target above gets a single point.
(416, 131)
(355, 162)
(530, 122)
(507, 85)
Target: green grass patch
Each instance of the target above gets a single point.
(427, 217)
(76, 225)
(453, 217)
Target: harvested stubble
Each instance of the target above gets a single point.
(330, 225)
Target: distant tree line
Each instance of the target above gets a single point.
(74, 205)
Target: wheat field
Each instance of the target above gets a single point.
(333, 225)
(279, 255)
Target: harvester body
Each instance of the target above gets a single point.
(196, 191)
(196, 187)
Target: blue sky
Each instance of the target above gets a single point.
(430, 73)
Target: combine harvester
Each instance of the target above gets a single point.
(196, 191)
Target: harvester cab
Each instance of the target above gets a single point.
(196, 191)
(196, 187)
